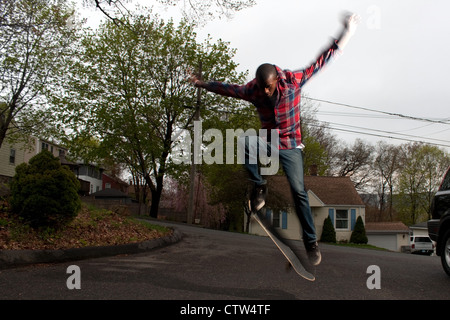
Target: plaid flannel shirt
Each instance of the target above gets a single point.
(284, 116)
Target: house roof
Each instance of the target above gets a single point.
(116, 179)
(421, 225)
(109, 193)
(334, 190)
(392, 227)
(330, 190)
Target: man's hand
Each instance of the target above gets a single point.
(351, 21)
(195, 80)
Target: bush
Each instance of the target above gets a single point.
(44, 193)
(359, 233)
(328, 232)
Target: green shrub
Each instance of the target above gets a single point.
(44, 193)
(328, 232)
(359, 233)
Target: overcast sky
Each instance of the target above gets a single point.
(396, 62)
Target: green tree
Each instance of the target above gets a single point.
(228, 181)
(44, 193)
(421, 168)
(328, 232)
(320, 143)
(36, 37)
(129, 91)
(359, 232)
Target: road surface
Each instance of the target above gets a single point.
(216, 265)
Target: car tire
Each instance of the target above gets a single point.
(445, 253)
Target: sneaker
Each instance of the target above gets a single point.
(313, 252)
(259, 197)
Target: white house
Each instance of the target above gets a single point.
(334, 197)
(13, 154)
(419, 229)
(91, 173)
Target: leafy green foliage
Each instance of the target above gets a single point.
(44, 193)
(128, 91)
(36, 39)
(421, 170)
(328, 232)
(359, 232)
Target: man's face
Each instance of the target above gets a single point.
(269, 86)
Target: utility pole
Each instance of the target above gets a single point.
(193, 175)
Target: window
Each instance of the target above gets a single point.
(423, 239)
(276, 219)
(83, 171)
(12, 156)
(107, 185)
(446, 182)
(341, 219)
(44, 146)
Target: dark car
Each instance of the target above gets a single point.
(439, 225)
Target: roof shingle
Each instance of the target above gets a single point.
(330, 190)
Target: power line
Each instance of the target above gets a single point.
(380, 135)
(387, 132)
(444, 121)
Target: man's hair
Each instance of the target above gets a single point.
(264, 72)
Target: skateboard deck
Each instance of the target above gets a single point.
(285, 249)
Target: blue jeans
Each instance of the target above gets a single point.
(292, 162)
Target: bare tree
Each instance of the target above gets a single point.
(355, 162)
(386, 165)
(195, 11)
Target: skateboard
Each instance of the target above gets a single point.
(284, 248)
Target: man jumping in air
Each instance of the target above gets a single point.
(276, 95)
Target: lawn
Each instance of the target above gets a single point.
(91, 227)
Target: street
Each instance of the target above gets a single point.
(217, 265)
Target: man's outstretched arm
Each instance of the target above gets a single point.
(350, 23)
(224, 89)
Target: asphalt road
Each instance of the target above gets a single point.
(216, 265)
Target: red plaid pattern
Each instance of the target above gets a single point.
(284, 116)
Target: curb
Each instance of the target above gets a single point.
(16, 258)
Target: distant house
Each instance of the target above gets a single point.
(389, 235)
(334, 197)
(110, 182)
(115, 200)
(90, 173)
(111, 195)
(14, 154)
(419, 229)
